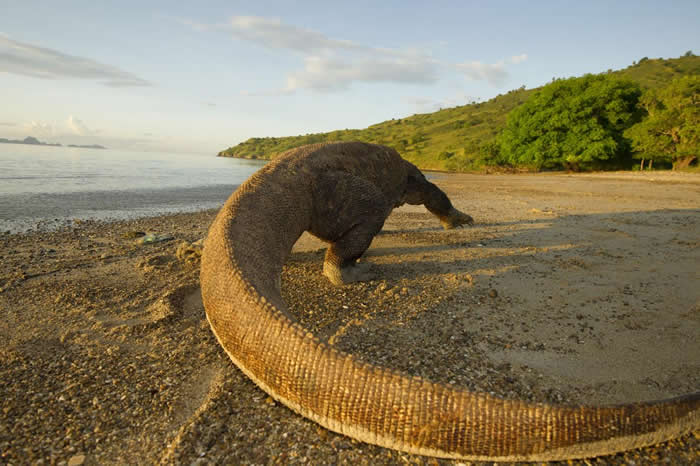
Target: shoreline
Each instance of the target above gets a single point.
(23, 212)
(570, 289)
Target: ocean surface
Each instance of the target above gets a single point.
(47, 187)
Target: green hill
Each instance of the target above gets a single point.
(657, 72)
(452, 139)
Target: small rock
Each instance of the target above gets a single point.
(493, 293)
(76, 460)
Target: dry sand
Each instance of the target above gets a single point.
(570, 288)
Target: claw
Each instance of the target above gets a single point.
(456, 219)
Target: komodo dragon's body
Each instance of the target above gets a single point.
(342, 193)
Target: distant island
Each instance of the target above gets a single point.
(28, 140)
(35, 142)
(87, 146)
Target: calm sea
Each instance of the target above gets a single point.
(47, 186)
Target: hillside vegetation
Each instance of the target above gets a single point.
(474, 136)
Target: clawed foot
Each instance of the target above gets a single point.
(349, 274)
(456, 219)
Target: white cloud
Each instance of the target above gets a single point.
(335, 64)
(272, 33)
(77, 126)
(515, 59)
(332, 64)
(321, 73)
(495, 73)
(40, 62)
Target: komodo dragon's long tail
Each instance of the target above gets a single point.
(241, 267)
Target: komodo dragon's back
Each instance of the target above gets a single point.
(241, 267)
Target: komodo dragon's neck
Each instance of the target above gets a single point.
(241, 267)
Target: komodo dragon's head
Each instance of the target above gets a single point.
(421, 191)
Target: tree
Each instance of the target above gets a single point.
(671, 130)
(574, 123)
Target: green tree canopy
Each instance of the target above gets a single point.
(671, 131)
(573, 123)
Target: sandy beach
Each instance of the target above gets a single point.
(569, 289)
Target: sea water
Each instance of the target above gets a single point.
(47, 186)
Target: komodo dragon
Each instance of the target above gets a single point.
(342, 193)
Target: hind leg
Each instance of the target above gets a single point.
(349, 212)
(340, 264)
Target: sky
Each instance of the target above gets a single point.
(198, 77)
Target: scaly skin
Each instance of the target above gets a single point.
(343, 193)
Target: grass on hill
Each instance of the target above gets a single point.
(452, 139)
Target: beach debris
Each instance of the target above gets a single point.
(152, 238)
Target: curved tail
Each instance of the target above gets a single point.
(240, 289)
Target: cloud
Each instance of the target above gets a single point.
(515, 59)
(495, 74)
(39, 62)
(331, 64)
(272, 33)
(77, 126)
(321, 73)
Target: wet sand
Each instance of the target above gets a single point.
(570, 289)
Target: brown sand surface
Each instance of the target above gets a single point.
(570, 288)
